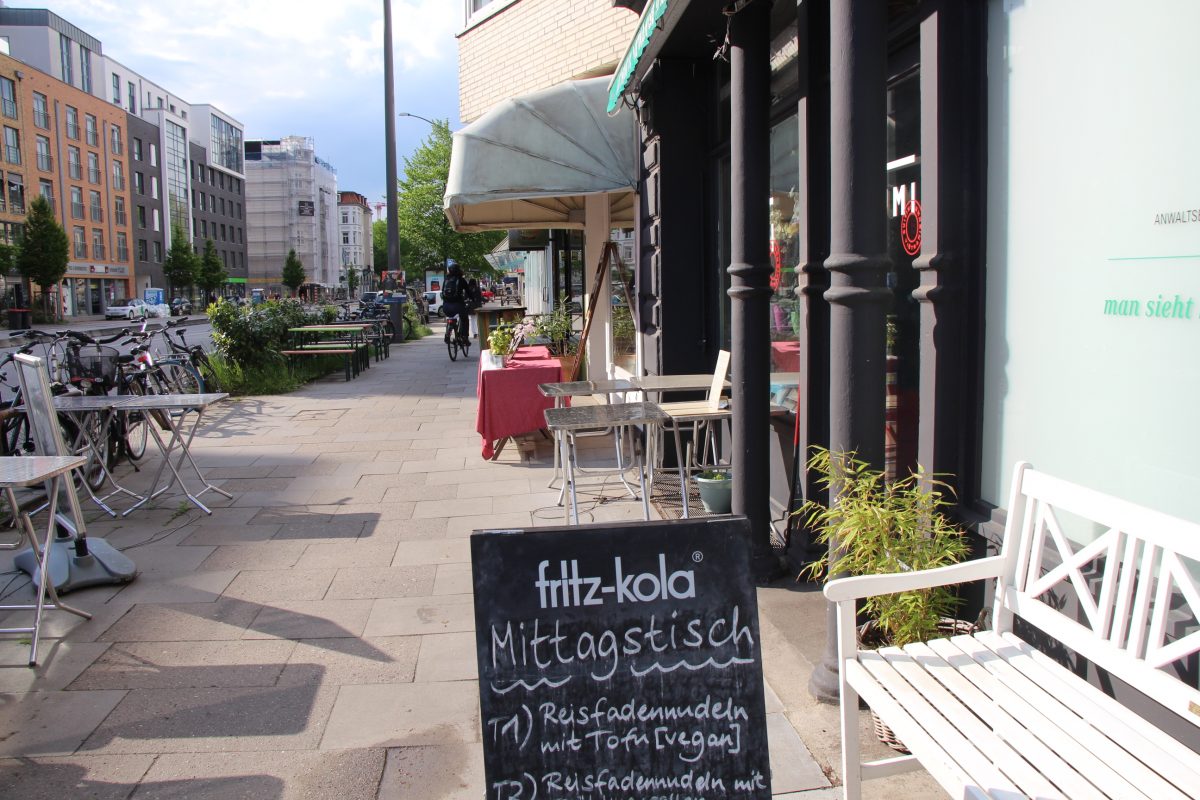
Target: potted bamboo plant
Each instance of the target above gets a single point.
(877, 527)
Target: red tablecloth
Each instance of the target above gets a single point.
(785, 356)
(509, 400)
(534, 352)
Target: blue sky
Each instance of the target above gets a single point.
(303, 67)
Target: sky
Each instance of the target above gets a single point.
(293, 67)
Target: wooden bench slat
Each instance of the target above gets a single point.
(317, 352)
(944, 768)
(1160, 752)
(981, 732)
(1076, 770)
(962, 749)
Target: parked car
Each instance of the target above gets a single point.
(128, 308)
(367, 298)
(433, 301)
(158, 310)
(180, 307)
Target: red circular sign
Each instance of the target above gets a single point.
(910, 228)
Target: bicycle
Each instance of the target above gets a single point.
(460, 343)
(191, 355)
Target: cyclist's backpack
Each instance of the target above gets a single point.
(453, 290)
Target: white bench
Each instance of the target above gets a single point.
(988, 715)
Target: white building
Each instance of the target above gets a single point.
(358, 253)
(291, 204)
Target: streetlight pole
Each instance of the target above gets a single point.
(389, 106)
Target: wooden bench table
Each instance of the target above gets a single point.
(990, 715)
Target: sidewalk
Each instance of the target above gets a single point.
(314, 637)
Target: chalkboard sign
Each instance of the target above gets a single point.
(620, 661)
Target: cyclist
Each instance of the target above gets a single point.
(454, 302)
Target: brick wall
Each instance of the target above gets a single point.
(534, 44)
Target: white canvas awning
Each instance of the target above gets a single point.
(529, 162)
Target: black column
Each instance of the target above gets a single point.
(858, 251)
(750, 272)
(389, 133)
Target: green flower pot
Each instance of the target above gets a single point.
(716, 491)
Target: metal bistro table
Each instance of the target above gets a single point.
(79, 408)
(560, 392)
(565, 422)
(18, 471)
(168, 412)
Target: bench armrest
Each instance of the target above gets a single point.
(860, 586)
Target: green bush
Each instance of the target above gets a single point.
(328, 314)
(272, 377)
(252, 336)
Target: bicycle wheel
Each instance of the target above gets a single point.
(97, 454)
(133, 427)
(465, 347)
(207, 374)
(180, 378)
(452, 347)
(16, 441)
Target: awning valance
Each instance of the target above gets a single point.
(529, 162)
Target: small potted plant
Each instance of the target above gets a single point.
(716, 490)
(500, 339)
(558, 328)
(876, 527)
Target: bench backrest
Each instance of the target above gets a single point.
(1135, 588)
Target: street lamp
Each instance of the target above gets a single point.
(417, 116)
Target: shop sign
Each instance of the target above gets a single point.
(305, 208)
(92, 270)
(641, 38)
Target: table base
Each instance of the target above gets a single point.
(66, 571)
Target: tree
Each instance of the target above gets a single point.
(379, 247)
(212, 274)
(45, 251)
(181, 266)
(351, 280)
(423, 225)
(293, 272)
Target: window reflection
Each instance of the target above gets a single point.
(784, 254)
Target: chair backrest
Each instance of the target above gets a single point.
(720, 372)
(39, 406)
(1127, 600)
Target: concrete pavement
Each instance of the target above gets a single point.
(313, 637)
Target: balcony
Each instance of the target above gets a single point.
(45, 162)
(75, 169)
(97, 214)
(9, 108)
(72, 130)
(41, 119)
(12, 154)
(93, 175)
(80, 250)
(98, 250)
(122, 253)
(119, 182)
(77, 210)
(116, 147)
(93, 138)
(119, 216)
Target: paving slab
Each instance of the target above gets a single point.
(447, 657)
(310, 619)
(411, 616)
(172, 587)
(59, 663)
(52, 723)
(340, 661)
(382, 582)
(452, 579)
(344, 774)
(441, 551)
(443, 772)
(165, 665)
(93, 777)
(359, 553)
(266, 586)
(183, 622)
(400, 715)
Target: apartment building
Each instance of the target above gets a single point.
(14, 161)
(218, 213)
(150, 182)
(354, 214)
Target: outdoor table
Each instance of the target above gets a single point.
(18, 471)
(356, 339)
(492, 314)
(509, 401)
(562, 393)
(531, 352)
(161, 409)
(79, 408)
(372, 327)
(566, 422)
(785, 356)
(694, 382)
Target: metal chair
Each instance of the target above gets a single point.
(701, 414)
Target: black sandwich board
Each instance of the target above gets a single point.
(620, 661)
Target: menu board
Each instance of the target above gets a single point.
(620, 661)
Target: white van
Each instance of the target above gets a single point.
(434, 301)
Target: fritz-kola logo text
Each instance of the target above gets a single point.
(571, 589)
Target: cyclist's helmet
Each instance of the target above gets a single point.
(452, 267)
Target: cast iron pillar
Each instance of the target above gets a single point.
(389, 113)
(750, 272)
(858, 257)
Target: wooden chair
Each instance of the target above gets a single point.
(701, 415)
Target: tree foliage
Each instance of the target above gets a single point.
(181, 265)
(45, 250)
(212, 273)
(426, 238)
(293, 272)
(351, 281)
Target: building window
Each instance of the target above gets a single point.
(12, 145)
(141, 250)
(43, 153)
(119, 210)
(8, 97)
(141, 217)
(80, 239)
(157, 220)
(139, 183)
(76, 202)
(226, 145)
(97, 209)
(115, 140)
(74, 166)
(85, 69)
(93, 168)
(203, 202)
(47, 189)
(154, 186)
(64, 59)
(157, 252)
(200, 170)
(116, 89)
(222, 206)
(223, 234)
(72, 123)
(153, 154)
(132, 99)
(118, 176)
(89, 124)
(137, 149)
(204, 227)
(16, 194)
(41, 116)
(97, 243)
(345, 237)
(239, 210)
(122, 246)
